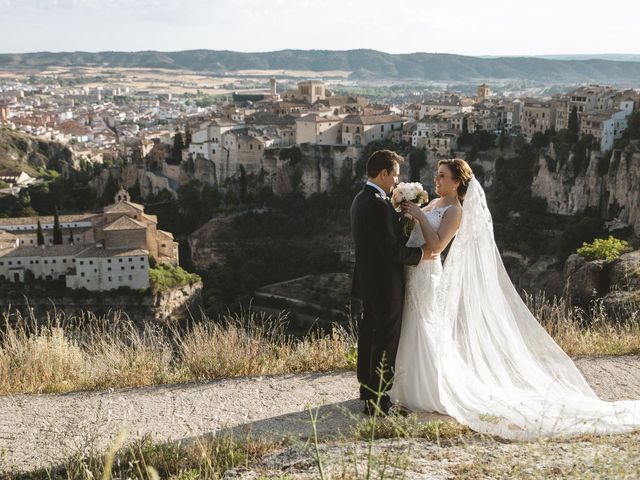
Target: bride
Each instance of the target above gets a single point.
(470, 348)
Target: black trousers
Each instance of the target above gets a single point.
(378, 338)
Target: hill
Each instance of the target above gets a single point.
(20, 152)
(363, 64)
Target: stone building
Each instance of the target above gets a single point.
(106, 250)
(318, 129)
(362, 129)
(537, 117)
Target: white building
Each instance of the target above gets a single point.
(207, 140)
(98, 268)
(606, 126)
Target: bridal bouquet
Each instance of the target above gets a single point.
(408, 192)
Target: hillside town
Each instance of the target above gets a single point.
(169, 140)
(113, 123)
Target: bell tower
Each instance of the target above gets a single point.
(122, 195)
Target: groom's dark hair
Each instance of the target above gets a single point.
(382, 160)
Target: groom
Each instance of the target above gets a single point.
(378, 279)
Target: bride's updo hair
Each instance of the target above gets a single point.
(460, 170)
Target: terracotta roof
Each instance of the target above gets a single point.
(101, 252)
(49, 219)
(314, 117)
(223, 122)
(371, 119)
(65, 230)
(151, 218)
(123, 207)
(125, 223)
(166, 234)
(45, 251)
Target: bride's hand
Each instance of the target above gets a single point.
(412, 209)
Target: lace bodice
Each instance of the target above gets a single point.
(434, 217)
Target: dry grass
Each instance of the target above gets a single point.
(86, 353)
(588, 333)
(69, 354)
(146, 460)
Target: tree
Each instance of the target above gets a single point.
(417, 160)
(187, 137)
(502, 140)
(178, 146)
(243, 184)
(574, 127)
(465, 131)
(39, 234)
(57, 231)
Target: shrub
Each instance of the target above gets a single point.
(603, 249)
(165, 276)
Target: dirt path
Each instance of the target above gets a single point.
(40, 430)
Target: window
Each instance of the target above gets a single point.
(46, 261)
(130, 277)
(109, 269)
(81, 262)
(53, 261)
(109, 260)
(120, 260)
(82, 274)
(30, 262)
(130, 259)
(133, 267)
(109, 278)
(121, 268)
(90, 262)
(142, 259)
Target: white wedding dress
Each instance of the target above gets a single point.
(470, 348)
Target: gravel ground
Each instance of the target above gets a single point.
(41, 430)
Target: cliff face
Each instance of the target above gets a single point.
(141, 308)
(609, 184)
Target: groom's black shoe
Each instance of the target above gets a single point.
(382, 407)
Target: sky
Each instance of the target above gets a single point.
(465, 27)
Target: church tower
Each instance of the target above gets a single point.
(122, 195)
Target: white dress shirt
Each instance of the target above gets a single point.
(382, 192)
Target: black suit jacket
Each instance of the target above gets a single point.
(380, 250)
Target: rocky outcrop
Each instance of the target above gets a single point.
(617, 282)
(141, 307)
(21, 152)
(609, 184)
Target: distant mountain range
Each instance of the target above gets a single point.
(362, 64)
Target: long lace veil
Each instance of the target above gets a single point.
(499, 371)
